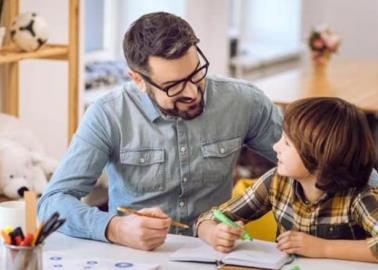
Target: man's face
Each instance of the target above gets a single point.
(190, 102)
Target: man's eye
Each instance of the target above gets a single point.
(168, 87)
(172, 85)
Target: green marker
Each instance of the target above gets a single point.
(225, 220)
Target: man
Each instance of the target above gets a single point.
(168, 141)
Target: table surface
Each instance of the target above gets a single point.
(75, 248)
(353, 80)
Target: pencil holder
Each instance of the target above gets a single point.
(23, 258)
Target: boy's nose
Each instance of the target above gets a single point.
(275, 147)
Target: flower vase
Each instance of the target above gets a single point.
(319, 68)
(2, 36)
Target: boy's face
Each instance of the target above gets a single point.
(289, 162)
(189, 103)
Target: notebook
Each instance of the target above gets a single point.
(256, 253)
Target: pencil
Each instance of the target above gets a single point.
(132, 211)
(30, 211)
(37, 234)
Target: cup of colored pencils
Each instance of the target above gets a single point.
(24, 251)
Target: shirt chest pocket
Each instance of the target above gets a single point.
(219, 159)
(143, 169)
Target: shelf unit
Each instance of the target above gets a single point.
(11, 56)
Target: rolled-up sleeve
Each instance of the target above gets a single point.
(365, 212)
(250, 205)
(75, 177)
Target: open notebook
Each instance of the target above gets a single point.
(256, 253)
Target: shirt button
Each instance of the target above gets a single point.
(185, 179)
(142, 160)
(221, 150)
(181, 204)
(182, 149)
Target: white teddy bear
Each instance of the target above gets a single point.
(23, 163)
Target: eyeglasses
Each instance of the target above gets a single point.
(177, 87)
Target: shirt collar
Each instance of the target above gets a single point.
(150, 109)
(299, 193)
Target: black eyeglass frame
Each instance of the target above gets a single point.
(185, 80)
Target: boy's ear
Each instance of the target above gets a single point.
(137, 79)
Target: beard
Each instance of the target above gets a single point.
(191, 113)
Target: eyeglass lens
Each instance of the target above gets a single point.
(198, 76)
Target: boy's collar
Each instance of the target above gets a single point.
(299, 193)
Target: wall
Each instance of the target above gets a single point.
(209, 20)
(44, 83)
(272, 21)
(355, 21)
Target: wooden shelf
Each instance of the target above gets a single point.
(49, 51)
(11, 56)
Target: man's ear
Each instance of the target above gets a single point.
(137, 79)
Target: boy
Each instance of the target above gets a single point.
(318, 193)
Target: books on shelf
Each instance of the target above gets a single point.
(256, 253)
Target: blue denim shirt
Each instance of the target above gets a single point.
(183, 166)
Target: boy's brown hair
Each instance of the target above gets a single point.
(333, 139)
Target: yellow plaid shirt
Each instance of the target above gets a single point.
(348, 214)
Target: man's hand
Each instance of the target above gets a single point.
(221, 236)
(300, 243)
(140, 232)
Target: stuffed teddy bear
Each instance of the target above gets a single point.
(23, 163)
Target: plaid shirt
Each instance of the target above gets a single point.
(349, 214)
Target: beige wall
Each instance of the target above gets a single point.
(209, 20)
(355, 21)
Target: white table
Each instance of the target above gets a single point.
(77, 248)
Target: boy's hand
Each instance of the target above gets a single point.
(221, 236)
(294, 242)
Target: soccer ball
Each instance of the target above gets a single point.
(29, 31)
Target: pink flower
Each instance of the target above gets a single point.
(323, 42)
(318, 43)
(332, 42)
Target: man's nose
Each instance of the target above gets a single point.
(190, 90)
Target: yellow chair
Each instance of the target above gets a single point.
(263, 228)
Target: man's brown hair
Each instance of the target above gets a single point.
(333, 139)
(157, 34)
